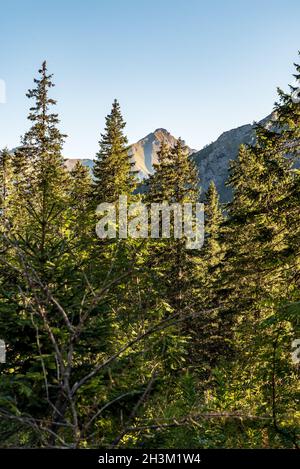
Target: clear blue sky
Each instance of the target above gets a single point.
(195, 67)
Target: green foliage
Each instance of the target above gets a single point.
(144, 343)
(112, 168)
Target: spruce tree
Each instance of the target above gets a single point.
(157, 184)
(43, 146)
(112, 170)
(261, 266)
(35, 262)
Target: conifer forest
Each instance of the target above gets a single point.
(137, 342)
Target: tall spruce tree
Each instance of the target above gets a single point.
(34, 265)
(112, 170)
(262, 265)
(43, 146)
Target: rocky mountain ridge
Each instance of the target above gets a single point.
(212, 160)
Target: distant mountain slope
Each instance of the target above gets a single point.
(143, 152)
(212, 160)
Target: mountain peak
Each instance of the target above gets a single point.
(145, 151)
(162, 130)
